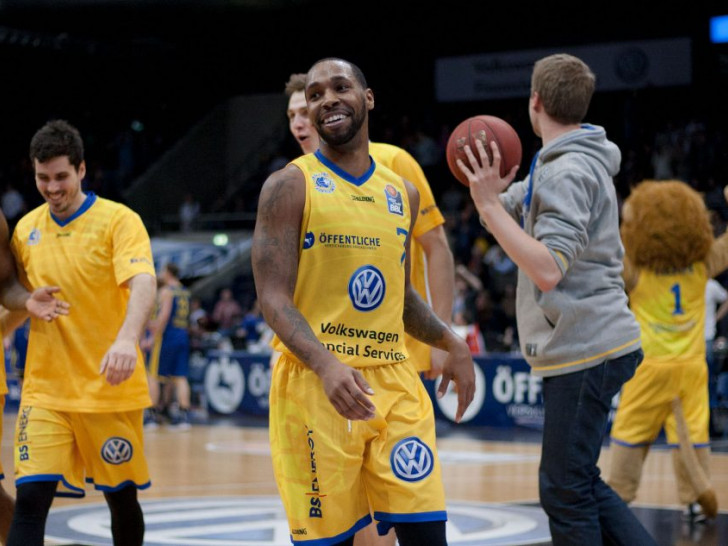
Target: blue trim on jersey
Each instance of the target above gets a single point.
(627, 444)
(696, 446)
(122, 485)
(74, 492)
(90, 200)
(363, 522)
(342, 173)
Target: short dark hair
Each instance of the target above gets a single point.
(173, 269)
(358, 74)
(57, 138)
(295, 84)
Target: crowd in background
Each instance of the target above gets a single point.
(485, 275)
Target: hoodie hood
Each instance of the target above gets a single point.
(590, 140)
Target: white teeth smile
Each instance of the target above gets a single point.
(335, 118)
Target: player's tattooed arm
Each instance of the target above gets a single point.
(275, 253)
(421, 322)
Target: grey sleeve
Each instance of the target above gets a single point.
(512, 199)
(563, 210)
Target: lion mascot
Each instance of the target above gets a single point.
(670, 253)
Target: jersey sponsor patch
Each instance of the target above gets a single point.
(411, 460)
(394, 200)
(34, 237)
(323, 183)
(117, 450)
(308, 240)
(367, 288)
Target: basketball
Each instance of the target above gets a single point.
(486, 129)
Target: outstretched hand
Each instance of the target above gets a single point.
(43, 305)
(348, 392)
(484, 177)
(459, 367)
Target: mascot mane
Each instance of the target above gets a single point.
(665, 226)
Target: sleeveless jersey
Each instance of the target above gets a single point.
(670, 308)
(179, 317)
(89, 256)
(350, 285)
(428, 217)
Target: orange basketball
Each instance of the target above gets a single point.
(487, 129)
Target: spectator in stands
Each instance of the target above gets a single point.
(189, 211)
(13, 205)
(227, 312)
(199, 323)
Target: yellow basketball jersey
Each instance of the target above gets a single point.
(428, 217)
(89, 256)
(670, 308)
(3, 376)
(350, 285)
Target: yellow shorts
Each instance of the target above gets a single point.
(105, 449)
(644, 403)
(331, 472)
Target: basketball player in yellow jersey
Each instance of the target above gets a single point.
(350, 425)
(85, 386)
(431, 266)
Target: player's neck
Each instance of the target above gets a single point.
(352, 157)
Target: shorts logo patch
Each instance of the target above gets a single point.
(411, 460)
(366, 288)
(117, 450)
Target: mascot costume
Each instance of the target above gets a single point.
(670, 253)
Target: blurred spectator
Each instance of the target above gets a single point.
(13, 205)
(501, 270)
(227, 312)
(464, 324)
(189, 210)
(199, 323)
(467, 287)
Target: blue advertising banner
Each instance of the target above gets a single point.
(506, 393)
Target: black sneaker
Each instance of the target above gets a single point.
(693, 513)
(181, 420)
(151, 421)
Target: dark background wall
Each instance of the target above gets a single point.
(105, 64)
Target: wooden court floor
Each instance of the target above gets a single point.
(232, 457)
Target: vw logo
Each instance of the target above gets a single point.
(117, 450)
(366, 288)
(411, 460)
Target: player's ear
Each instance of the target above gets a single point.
(82, 170)
(369, 94)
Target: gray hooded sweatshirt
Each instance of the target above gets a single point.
(569, 203)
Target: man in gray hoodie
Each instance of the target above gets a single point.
(575, 327)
